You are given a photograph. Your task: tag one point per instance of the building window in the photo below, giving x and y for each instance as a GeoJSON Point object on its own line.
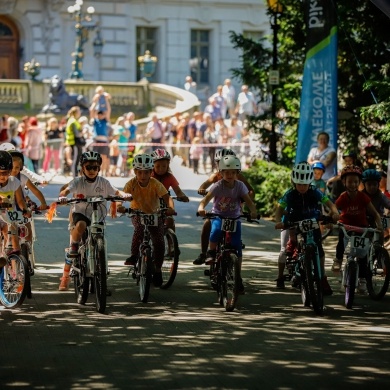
{"type": "Point", "coordinates": [254, 35]}
{"type": "Point", "coordinates": [146, 40]}
{"type": "Point", "coordinates": [200, 56]}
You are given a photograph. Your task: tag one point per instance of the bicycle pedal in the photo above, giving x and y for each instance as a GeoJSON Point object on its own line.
{"type": "Point", "coordinates": [206, 272]}
{"type": "Point", "coordinates": [134, 275]}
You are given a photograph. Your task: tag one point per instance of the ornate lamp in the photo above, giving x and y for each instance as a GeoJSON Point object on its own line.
{"type": "Point", "coordinates": [147, 64]}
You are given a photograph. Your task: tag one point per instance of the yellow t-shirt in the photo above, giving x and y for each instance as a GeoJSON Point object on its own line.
{"type": "Point", "coordinates": [146, 199]}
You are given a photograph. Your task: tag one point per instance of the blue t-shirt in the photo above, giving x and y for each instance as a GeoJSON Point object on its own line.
{"type": "Point", "coordinates": [302, 206]}
{"type": "Point", "coordinates": [100, 127]}
{"type": "Point", "coordinates": [133, 129]}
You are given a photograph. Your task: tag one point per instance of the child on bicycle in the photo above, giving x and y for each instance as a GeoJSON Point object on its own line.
{"type": "Point", "coordinates": [354, 206]}
{"type": "Point", "coordinates": [146, 192]}
{"type": "Point", "coordinates": [215, 177]}
{"type": "Point", "coordinates": [10, 196]}
{"type": "Point", "coordinates": [162, 172]}
{"type": "Point", "coordinates": [228, 194]}
{"type": "Point", "coordinates": [88, 184]}
{"type": "Point", "coordinates": [302, 201]}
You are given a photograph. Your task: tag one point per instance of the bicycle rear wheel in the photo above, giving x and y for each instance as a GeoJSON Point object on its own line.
{"type": "Point", "coordinates": [171, 258]}
{"type": "Point", "coordinates": [378, 273]}
{"type": "Point", "coordinates": [81, 281]}
{"type": "Point", "coordinates": [145, 275]}
{"type": "Point", "coordinates": [350, 279]}
{"type": "Point", "coordinates": [14, 280]}
{"type": "Point", "coordinates": [314, 283]}
{"type": "Point", "coordinates": [25, 253]}
{"type": "Point", "coordinates": [230, 281]}
{"type": "Point", "coordinates": [100, 275]}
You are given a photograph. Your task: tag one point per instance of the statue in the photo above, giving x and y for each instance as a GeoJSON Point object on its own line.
{"type": "Point", "coordinates": [60, 101]}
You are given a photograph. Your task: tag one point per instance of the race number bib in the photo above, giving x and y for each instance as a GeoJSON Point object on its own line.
{"type": "Point", "coordinates": [308, 225]}
{"type": "Point", "coordinates": [386, 222]}
{"type": "Point", "coordinates": [358, 242]}
{"type": "Point", "coordinates": [17, 217]}
{"type": "Point", "coordinates": [229, 225]}
{"type": "Point", "coordinates": [149, 219]}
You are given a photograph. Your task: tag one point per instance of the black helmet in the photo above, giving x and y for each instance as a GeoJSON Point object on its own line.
{"type": "Point", "coordinates": [16, 153]}
{"type": "Point", "coordinates": [5, 161]}
{"type": "Point", "coordinates": [371, 175]}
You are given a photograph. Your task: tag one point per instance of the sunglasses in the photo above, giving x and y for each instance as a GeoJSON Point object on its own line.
{"type": "Point", "coordinates": [92, 167]}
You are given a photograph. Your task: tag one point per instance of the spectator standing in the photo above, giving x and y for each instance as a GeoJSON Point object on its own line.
{"type": "Point", "coordinates": [73, 140]}
{"type": "Point", "coordinates": [154, 130]}
{"type": "Point", "coordinates": [190, 85]}
{"type": "Point", "coordinates": [246, 104]}
{"type": "Point", "coordinates": [229, 93]}
{"type": "Point", "coordinates": [34, 140]}
{"type": "Point", "coordinates": [213, 109]}
{"type": "Point", "coordinates": [131, 126]}
{"type": "Point", "coordinates": [5, 136]}
{"type": "Point", "coordinates": [221, 101]}
{"type": "Point", "coordinates": [22, 129]}
{"type": "Point", "coordinates": [53, 138]}
{"type": "Point", "coordinates": [100, 102]}
{"type": "Point", "coordinates": [101, 141]}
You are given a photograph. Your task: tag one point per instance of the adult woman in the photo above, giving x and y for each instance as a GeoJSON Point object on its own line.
{"type": "Point", "coordinates": [53, 141]}
{"type": "Point", "coordinates": [325, 154]}
{"type": "Point", "coordinates": [33, 142]}
{"type": "Point", "coordinates": [73, 134]}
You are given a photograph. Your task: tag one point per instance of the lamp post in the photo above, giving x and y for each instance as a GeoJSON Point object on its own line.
{"type": "Point", "coordinates": [84, 24]}
{"type": "Point", "coordinates": [147, 64]}
{"type": "Point", "coordinates": [275, 8]}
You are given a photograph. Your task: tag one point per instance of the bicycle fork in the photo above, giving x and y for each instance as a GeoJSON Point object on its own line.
{"type": "Point", "coordinates": [345, 279]}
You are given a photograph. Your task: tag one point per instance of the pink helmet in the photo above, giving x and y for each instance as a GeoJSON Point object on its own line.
{"type": "Point", "coordinates": [351, 170]}
{"type": "Point", "coordinates": [160, 154]}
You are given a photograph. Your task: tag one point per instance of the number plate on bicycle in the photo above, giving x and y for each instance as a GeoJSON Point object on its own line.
{"type": "Point", "coordinates": [15, 216]}
{"type": "Point", "coordinates": [358, 242]}
{"type": "Point", "coordinates": [229, 225]}
{"type": "Point", "coordinates": [308, 225]}
{"type": "Point", "coordinates": [386, 222]}
{"type": "Point", "coordinates": [149, 219]}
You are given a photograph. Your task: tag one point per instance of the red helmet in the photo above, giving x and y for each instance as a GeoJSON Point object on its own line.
{"type": "Point", "coordinates": [351, 170]}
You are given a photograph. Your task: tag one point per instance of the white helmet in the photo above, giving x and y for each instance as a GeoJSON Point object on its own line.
{"type": "Point", "coordinates": [222, 153]}
{"type": "Point", "coordinates": [143, 162]}
{"type": "Point", "coordinates": [302, 173]}
{"type": "Point", "coordinates": [7, 146]}
{"type": "Point", "coordinates": [229, 162]}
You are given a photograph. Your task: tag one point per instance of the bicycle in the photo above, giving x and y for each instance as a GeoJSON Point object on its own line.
{"type": "Point", "coordinates": [14, 276]}
{"type": "Point", "coordinates": [143, 269]}
{"type": "Point", "coordinates": [90, 267]}
{"type": "Point", "coordinates": [306, 267]}
{"type": "Point", "coordinates": [358, 246]}
{"type": "Point", "coordinates": [224, 273]}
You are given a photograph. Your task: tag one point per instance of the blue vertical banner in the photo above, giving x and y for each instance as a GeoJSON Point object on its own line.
{"type": "Point", "coordinates": [318, 107]}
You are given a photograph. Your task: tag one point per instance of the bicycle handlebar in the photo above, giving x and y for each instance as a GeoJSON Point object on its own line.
{"type": "Point", "coordinates": [133, 212]}
{"type": "Point", "coordinates": [323, 219]}
{"type": "Point", "coordinates": [357, 229]}
{"type": "Point", "coordinates": [92, 199]}
{"type": "Point", "coordinates": [211, 215]}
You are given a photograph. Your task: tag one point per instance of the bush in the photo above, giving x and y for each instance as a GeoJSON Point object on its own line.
{"type": "Point", "coordinates": [270, 181]}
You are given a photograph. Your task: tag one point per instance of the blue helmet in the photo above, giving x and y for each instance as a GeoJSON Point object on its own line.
{"type": "Point", "coordinates": [371, 175]}
{"type": "Point", "coordinates": [318, 165]}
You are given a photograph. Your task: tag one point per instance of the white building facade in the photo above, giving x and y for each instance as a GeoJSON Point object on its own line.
{"type": "Point", "coordinates": [188, 37]}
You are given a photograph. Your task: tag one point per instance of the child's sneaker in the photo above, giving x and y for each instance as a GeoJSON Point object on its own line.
{"type": "Point", "coordinates": [132, 260]}
{"type": "Point", "coordinates": [336, 267]}
{"type": "Point", "coordinates": [327, 290]}
{"type": "Point", "coordinates": [362, 286]}
{"type": "Point", "coordinates": [64, 285]}
{"type": "Point", "coordinates": [210, 256]}
{"type": "Point", "coordinates": [280, 283]}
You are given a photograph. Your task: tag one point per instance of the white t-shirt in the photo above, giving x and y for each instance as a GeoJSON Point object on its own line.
{"type": "Point", "coordinates": [7, 193]}
{"type": "Point", "coordinates": [100, 187]}
{"type": "Point", "coordinates": [321, 155]}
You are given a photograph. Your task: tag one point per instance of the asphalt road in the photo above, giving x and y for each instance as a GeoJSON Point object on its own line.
{"type": "Point", "coordinates": [182, 338]}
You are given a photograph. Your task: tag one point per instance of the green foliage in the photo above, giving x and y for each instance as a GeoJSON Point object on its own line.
{"type": "Point", "coordinates": [270, 181]}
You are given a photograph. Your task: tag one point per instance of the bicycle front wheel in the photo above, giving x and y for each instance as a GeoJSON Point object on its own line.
{"type": "Point", "coordinates": [100, 275]}
{"type": "Point", "coordinates": [230, 282]}
{"type": "Point", "coordinates": [314, 282]}
{"type": "Point", "coordinates": [14, 281]}
{"type": "Point", "coordinates": [145, 275]}
{"type": "Point", "coordinates": [171, 258]}
{"type": "Point", "coordinates": [378, 273]}
{"type": "Point", "coordinates": [350, 283]}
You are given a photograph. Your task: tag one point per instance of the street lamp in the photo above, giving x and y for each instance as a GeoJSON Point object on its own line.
{"type": "Point", "coordinates": [147, 64]}
{"type": "Point", "coordinates": [84, 24]}
{"type": "Point", "coordinates": [276, 9]}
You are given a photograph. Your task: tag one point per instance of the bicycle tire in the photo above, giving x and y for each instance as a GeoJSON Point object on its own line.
{"type": "Point", "coordinates": [100, 275]}
{"type": "Point", "coordinates": [25, 253]}
{"type": "Point", "coordinates": [13, 285]}
{"type": "Point", "coordinates": [230, 282]}
{"type": "Point", "coordinates": [350, 278]}
{"type": "Point", "coordinates": [145, 275]}
{"type": "Point", "coordinates": [378, 275]}
{"type": "Point", "coordinates": [81, 282]}
{"type": "Point", "coordinates": [314, 282]}
{"type": "Point", "coordinates": [171, 259]}
{"type": "Point", "coordinates": [213, 273]}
